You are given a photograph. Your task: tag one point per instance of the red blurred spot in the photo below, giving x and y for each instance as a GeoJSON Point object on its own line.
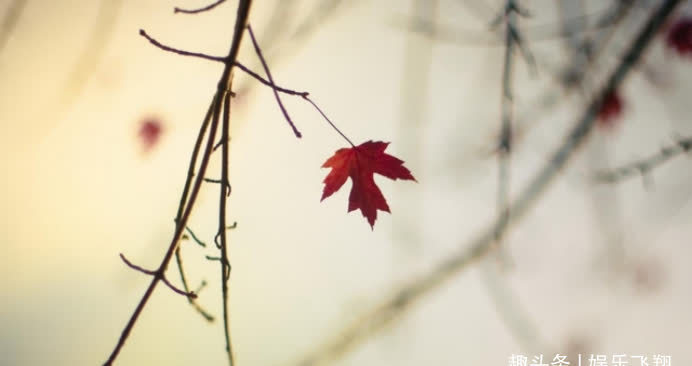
{"type": "Point", "coordinates": [648, 275]}
{"type": "Point", "coordinates": [679, 36]}
{"type": "Point", "coordinates": [150, 130]}
{"type": "Point", "coordinates": [611, 109]}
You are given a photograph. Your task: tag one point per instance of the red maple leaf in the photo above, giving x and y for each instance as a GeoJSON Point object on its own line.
{"type": "Point", "coordinates": [361, 163]}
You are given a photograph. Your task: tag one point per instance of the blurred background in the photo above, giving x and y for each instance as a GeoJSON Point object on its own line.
{"type": "Point", "coordinates": [97, 128]}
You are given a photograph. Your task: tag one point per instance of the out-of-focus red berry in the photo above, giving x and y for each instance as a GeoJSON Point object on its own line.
{"type": "Point", "coordinates": [150, 130]}
{"type": "Point", "coordinates": [679, 36]}
{"type": "Point", "coordinates": [611, 109]}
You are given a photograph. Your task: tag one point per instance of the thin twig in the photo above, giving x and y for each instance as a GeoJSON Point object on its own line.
{"type": "Point", "coordinates": [506, 117]}
{"type": "Point", "coordinates": [181, 270]}
{"type": "Point", "coordinates": [183, 199]}
{"type": "Point", "coordinates": [200, 10]}
{"type": "Point", "coordinates": [158, 274]}
{"type": "Point", "coordinates": [162, 46]}
{"type": "Point", "coordinates": [645, 166]}
{"type": "Point", "coordinates": [394, 306]}
{"type": "Point", "coordinates": [220, 181]}
{"type": "Point", "coordinates": [204, 56]}
{"type": "Point", "coordinates": [224, 192]}
{"type": "Point", "coordinates": [270, 83]}
{"type": "Point", "coordinates": [271, 80]}
{"type": "Point", "coordinates": [194, 237]}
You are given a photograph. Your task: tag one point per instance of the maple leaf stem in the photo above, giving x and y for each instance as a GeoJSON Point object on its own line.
{"type": "Point", "coordinates": [329, 121]}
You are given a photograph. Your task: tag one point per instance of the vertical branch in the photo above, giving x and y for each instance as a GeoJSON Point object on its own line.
{"type": "Point", "coordinates": [223, 86]}
{"type": "Point", "coordinates": [505, 147]}
{"type": "Point", "coordinates": [507, 305]}
{"type": "Point", "coordinates": [181, 206]}
{"type": "Point", "coordinates": [225, 191]}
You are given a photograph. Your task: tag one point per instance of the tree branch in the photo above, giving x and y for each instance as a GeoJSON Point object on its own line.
{"type": "Point", "coordinates": [223, 85]}
{"type": "Point", "coordinates": [200, 10]}
{"type": "Point", "coordinates": [646, 165]}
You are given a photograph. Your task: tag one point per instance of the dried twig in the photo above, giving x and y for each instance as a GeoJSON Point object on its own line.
{"type": "Point", "coordinates": [645, 166]}
{"type": "Point", "coordinates": [189, 294]}
{"type": "Point", "coordinates": [188, 203]}
{"type": "Point", "coordinates": [271, 80]}
{"type": "Point", "coordinates": [223, 60]}
{"type": "Point", "coordinates": [199, 10]}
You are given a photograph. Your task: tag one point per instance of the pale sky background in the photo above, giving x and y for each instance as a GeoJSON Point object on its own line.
{"type": "Point", "coordinates": [77, 191]}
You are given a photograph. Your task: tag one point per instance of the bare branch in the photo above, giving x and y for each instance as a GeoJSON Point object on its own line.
{"type": "Point", "coordinates": [223, 85]}
{"type": "Point", "coordinates": [269, 76]}
{"type": "Point", "coordinates": [159, 275]}
{"type": "Point", "coordinates": [645, 166]}
{"type": "Point", "coordinates": [200, 10]}
{"type": "Point", "coordinates": [178, 51]}
{"type": "Point", "coordinates": [203, 312]}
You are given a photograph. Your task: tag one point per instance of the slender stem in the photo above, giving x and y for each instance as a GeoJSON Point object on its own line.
{"type": "Point", "coordinates": [646, 165]}
{"type": "Point", "coordinates": [270, 83]}
{"type": "Point", "coordinates": [164, 47]}
{"type": "Point", "coordinates": [393, 307]}
{"type": "Point", "coordinates": [204, 56]}
{"type": "Point", "coordinates": [225, 266]}
{"type": "Point", "coordinates": [193, 161]}
{"type": "Point", "coordinates": [271, 80]}
{"type": "Point", "coordinates": [183, 198]}
{"type": "Point", "coordinates": [506, 119]}
{"type": "Point", "coordinates": [194, 237]}
{"type": "Point", "coordinates": [188, 294]}
{"type": "Point", "coordinates": [183, 279]}
{"type": "Point", "coordinates": [200, 10]}
{"type": "Point", "coordinates": [329, 121]}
